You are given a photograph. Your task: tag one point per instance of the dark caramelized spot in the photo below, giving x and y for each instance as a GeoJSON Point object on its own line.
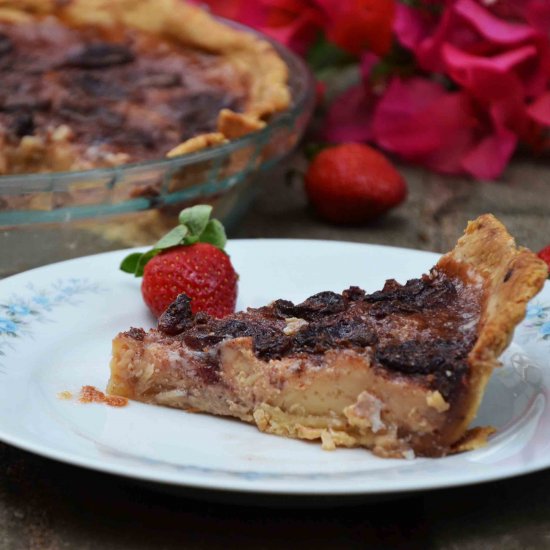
{"type": "Point", "coordinates": [177, 317]}
{"type": "Point", "coordinates": [508, 275]}
{"type": "Point", "coordinates": [23, 124]}
{"type": "Point", "coordinates": [415, 296]}
{"type": "Point", "coordinates": [315, 307]}
{"type": "Point", "coordinates": [212, 332]}
{"type": "Point", "coordinates": [95, 85]}
{"type": "Point", "coordinates": [443, 360]}
{"type": "Point", "coordinates": [197, 112]}
{"type": "Point", "coordinates": [268, 342]}
{"type": "Point", "coordinates": [99, 55]}
{"type": "Point", "coordinates": [417, 357]}
{"type": "Point", "coordinates": [354, 294]}
{"type": "Point", "coordinates": [336, 333]}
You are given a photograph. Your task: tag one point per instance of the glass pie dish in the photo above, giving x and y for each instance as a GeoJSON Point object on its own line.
{"type": "Point", "coordinates": [49, 217]}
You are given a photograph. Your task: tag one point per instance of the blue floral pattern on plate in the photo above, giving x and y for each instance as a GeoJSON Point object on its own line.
{"type": "Point", "coordinates": [537, 322]}
{"type": "Point", "coordinates": [19, 312]}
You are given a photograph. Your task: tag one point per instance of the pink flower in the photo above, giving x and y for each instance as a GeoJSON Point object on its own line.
{"type": "Point", "coordinates": [422, 122]}
{"type": "Point", "coordinates": [446, 131]}
{"type": "Point", "coordinates": [502, 69]}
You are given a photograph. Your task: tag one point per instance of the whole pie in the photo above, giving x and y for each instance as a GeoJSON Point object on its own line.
{"type": "Point", "coordinates": [400, 371]}
{"type": "Point", "coordinates": [92, 83]}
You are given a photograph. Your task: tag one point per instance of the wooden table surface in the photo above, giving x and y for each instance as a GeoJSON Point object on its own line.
{"type": "Point", "coordinates": [48, 505]}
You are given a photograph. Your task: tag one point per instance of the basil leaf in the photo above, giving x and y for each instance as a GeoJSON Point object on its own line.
{"type": "Point", "coordinates": [214, 233]}
{"type": "Point", "coordinates": [143, 260]}
{"type": "Point", "coordinates": [195, 218]}
{"type": "Point", "coordinates": [130, 263]}
{"type": "Point", "coordinates": [174, 237]}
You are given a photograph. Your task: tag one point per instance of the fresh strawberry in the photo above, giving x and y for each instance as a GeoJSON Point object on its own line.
{"type": "Point", "coordinates": [188, 260]}
{"type": "Point", "coordinates": [544, 254]}
{"type": "Point", "coordinates": [353, 183]}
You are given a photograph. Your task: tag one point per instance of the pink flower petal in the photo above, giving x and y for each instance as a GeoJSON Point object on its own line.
{"type": "Point", "coordinates": [445, 131]}
{"type": "Point", "coordinates": [491, 27]}
{"type": "Point", "coordinates": [412, 25]}
{"type": "Point", "coordinates": [421, 121]}
{"type": "Point", "coordinates": [503, 62]}
{"type": "Point", "coordinates": [428, 51]}
{"type": "Point", "coordinates": [539, 110]}
{"type": "Point", "coordinates": [407, 96]}
{"type": "Point", "coordinates": [367, 63]}
{"type": "Point", "coordinates": [489, 158]}
{"type": "Point", "coordinates": [538, 15]}
{"type": "Point", "coordinates": [349, 117]}
{"type": "Point", "coordinates": [488, 78]}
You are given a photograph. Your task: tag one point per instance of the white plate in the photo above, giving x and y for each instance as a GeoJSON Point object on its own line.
{"type": "Point", "coordinates": [56, 326]}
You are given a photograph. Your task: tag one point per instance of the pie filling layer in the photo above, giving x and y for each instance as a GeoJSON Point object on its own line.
{"type": "Point", "coordinates": [423, 329]}
{"type": "Point", "coordinates": [117, 95]}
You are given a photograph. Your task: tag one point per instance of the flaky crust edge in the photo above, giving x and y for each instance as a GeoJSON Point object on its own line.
{"type": "Point", "coordinates": [255, 58]}
{"type": "Point", "coordinates": [510, 276]}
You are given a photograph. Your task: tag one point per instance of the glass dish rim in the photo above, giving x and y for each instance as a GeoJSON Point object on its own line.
{"type": "Point", "coordinates": [298, 105]}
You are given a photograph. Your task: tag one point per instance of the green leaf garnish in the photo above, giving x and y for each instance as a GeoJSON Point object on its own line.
{"type": "Point", "coordinates": [143, 260]}
{"type": "Point", "coordinates": [195, 218]}
{"type": "Point", "coordinates": [191, 239]}
{"type": "Point", "coordinates": [174, 237]}
{"type": "Point", "coordinates": [214, 233]}
{"type": "Point", "coordinates": [194, 226]}
{"type": "Point", "coordinates": [130, 263]}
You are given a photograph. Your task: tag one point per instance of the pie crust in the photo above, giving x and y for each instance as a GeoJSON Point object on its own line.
{"type": "Point", "coordinates": [244, 72]}
{"type": "Point", "coordinates": [401, 371]}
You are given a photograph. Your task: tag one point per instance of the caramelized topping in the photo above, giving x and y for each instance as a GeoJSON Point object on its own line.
{"type": "Point", "coordinates": [334, 333]}
{"type": "Point", "coordinates": [315, 307]}
{"type": "Point", "coordinates": [415, 296]}
{"type": "Point", "coordinates": [98, 55]}
{"type": "Point", "coordinates": [177, 317]}
{"type": "Point", "coordinates": [424, 328]}
{"type": "Point", "coordinates": [119, 91]}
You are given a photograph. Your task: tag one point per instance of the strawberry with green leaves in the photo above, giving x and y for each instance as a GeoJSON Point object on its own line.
{"type": "Point", "coordinates": [190, 260]}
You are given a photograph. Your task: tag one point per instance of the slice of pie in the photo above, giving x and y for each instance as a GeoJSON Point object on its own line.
{"type": "Point", "coordinates": [401, 371]}
{"type": "Point", "coordinates": [94, 83]}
